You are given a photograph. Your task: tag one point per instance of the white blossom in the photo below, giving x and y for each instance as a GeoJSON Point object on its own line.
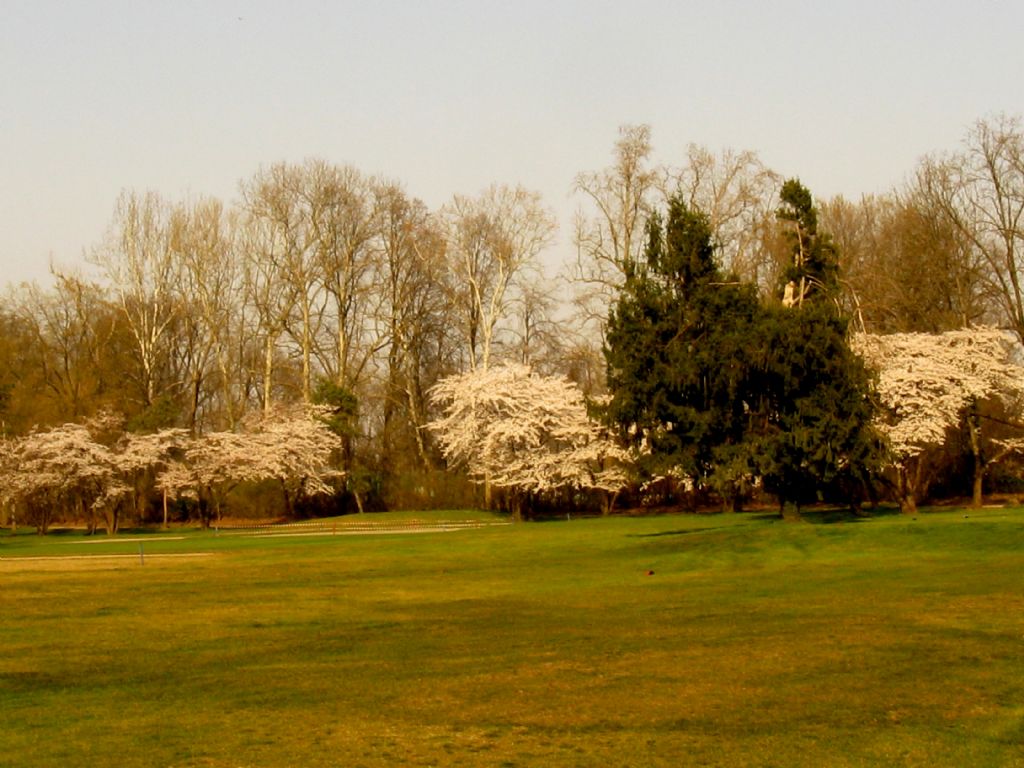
{"type": "Point", "coordinates": [65, 466]}
{"type": "Point", "coordinates": [515, 429]}
{"type": "Point", "coordinates": [47, 470]}
{"type": "Point", "coordinates": [925, 381]}
{"type": "Point", "coordinates": [293, 447]}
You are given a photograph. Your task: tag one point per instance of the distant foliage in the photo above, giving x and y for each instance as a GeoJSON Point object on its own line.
{"type": "Point", "coordinates": [705, 316]}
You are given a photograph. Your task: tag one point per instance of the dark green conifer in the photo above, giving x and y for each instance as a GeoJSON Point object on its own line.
{"type": "Point", "coordinates": [813, 269]}
{"type": "Point", "coordinates": [721, 389]}
{"type": "Point", "coordinates": [676, 354]}
{"type": "Point", "coordinates": [812, 435]}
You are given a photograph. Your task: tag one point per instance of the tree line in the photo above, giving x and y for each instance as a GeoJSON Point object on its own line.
{"type": "Point", "coordinates": [323, 284]}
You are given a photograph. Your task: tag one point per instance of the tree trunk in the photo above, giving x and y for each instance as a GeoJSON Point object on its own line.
{"type": "Point", "coordinates": [516, 506]}
{"type": "Point", "coordinates": [204, 509]}
{"type": "Point", "coordinates": [732, 498]}
{"type": "Point", "coordinates": [307, 351]}
{"type": "Point", "coordinates": [268, 372]}
{"type": "Point", "coordinates": [289, 506]}
{"type": "Point", "coordinates": [608, 500]}
{"type": "Point", "coordinates": [973, 429]}
{"type": "Point", "coordinates": [415, 398]}
{"type": "Point", "coordinates": [139, 499]}
{"type": "Point", "coordinates": [908, 498]}
{"type": "Point", "coordinates": [908, 504]}
{"type": "Point", "coordinates": [165, 509]}
{"type": "Point", "coordinates": [43, 520]}
{"type": "Point", "coordinates": [790, 511]}
{"type": "Point", "coordinates": [193, 407]}
{"type": "Point", "coordinates": [229, 397]}
{"type": "Point", "coordinates": [110, 518]}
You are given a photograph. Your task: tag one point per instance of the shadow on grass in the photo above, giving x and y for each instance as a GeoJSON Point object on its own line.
{"type": "Point", "coordinates": [680, 532]}
{"type": "Point", "coordinates": [813, 516]}
{"type": "Point", "coordinates": [833, 515]}
{"type": "Point", "coordinates": [60, 533]}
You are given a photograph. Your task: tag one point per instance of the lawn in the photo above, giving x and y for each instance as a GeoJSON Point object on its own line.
{"type": "Point", "coordinates": [670, 640]}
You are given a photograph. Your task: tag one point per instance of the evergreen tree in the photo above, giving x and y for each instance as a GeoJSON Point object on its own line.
{"type": "Point", "coordinates": [810, 431]}
{"type": "Point", "coordinates": [677, 349]}
{"type": "Point", "coordinates": [814, 265]}
{"type": "Point", "coordinates": [719, 390]}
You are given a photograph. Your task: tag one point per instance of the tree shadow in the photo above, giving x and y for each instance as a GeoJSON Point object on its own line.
{"type": "Point", "coordinates": [813, 515]}
{"type": "Point", "coordinates": [833, 515]}
{"type": "Point", "coordinates": [680, 532]}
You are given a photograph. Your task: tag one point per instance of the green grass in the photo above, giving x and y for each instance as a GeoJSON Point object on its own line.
{"type": "Point", "coordinates": [882, 642]}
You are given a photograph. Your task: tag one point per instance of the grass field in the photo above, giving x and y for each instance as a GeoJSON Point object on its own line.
{"type": "Point", "coordinates": [885, 642]}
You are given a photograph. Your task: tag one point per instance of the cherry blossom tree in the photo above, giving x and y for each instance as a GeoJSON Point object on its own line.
{"type": "Point", "coordinates": [143, 455]}
{"type": "Point", "coordinates": [928, 385]}
{"type": "Point", "coordinates": [69, 469]}
{"type": "Point", "coordinates": [59, 470]}
{"type": "Point", "coordinates": [530, 435]}
{"type": "Point", "coordinates": [293, 447]}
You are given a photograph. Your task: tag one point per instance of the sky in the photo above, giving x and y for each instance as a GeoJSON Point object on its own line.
{"type": "Point", "coordinates": [191, 97]}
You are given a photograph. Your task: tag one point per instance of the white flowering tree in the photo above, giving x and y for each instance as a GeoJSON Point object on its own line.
{"type": "Point", "coordinates": [60, 469]}
{"type": "Point", "coordinates": [142, 456]}
{"type": "Point", "coordinates": [68, 470]}
{"type": "Point", "coordinates": [930, 384]}
{"type": "Point", "coordinates": [7, 447]}
{"type": "Point", "coordinates": [293, 447]}
{"type": "Point", "coordinates": [527, 434]}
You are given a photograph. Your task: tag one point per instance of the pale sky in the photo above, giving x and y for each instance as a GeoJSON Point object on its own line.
{"type": "Point", "coordinates": [189, 97]}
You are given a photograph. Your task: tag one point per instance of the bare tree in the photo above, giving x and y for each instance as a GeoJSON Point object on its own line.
{"type": "Point", "coordinates": [343, 227]}
{"type": "Point", "coordinates": [71, 331]}
{"type": "Point", "coordinates": [980, 190]}
{"type": "Point", "coordinates": [904, 267]}
{"type": "Point", "coordinates": [213, 304]}
{"type": "Point", "coordinates": [609, 232]}
{"type": "Point", "coordinates": [538, 337]}
{"type": "Point", "coordinates": [491, 240]}
{"type": "Point", "coordinates": [279, 269]}
{"type": "Point", "coordinates": [137, 259]}
{"type": "Point", "coordinates": [738, 194]}
{"type": "Point", "coordinates": [413, 316]}
{"type": "Point", "coordinates": [312, 241]}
